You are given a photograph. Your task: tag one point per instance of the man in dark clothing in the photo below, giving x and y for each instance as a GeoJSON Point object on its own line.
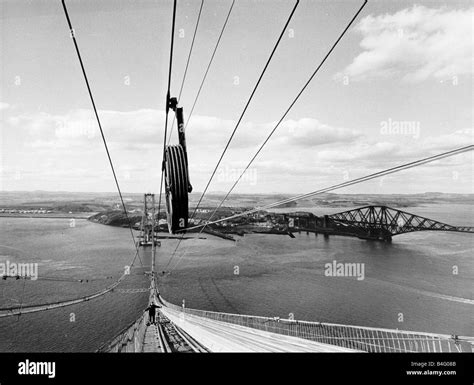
{"type": "Point", "coordinates": [151, 313]}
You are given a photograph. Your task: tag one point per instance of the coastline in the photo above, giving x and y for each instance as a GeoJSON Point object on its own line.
{"type": "Point", "coordinates": [46, 216]}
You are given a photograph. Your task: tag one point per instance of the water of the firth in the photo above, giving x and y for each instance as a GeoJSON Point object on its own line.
{"type": "Point", "coordinates": [410, 284]}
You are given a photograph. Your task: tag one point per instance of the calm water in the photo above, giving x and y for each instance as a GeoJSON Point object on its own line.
{"type": "Point", "coordinates": [410, 278]}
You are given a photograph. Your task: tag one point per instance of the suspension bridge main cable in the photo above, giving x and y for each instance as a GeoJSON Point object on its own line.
{"type": "Point", "coordinates": [288, 109]}
{"type": "Point", "coordinates": [71, 29]}
{"type": "Point", "coordinates": [187, 65]}
{"type": "Point", "coordinates": [378, 174]}
{"type": "Point", "coordinates": [240, 118]}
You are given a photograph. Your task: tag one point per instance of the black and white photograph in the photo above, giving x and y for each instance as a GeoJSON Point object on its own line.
{"type": "Point", "coordinates": [236, 177]}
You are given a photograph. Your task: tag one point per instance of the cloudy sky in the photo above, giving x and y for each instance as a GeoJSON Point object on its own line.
{"type": "Point", "coordinates": [397, 88]}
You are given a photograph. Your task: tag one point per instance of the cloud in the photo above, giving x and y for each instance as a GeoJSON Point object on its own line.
{"type": "Point", "coordinates": [4, 106]}
{"type": "Point", "coordinates": [310, 132]}
{"type": "Point", "coordinates": [142, 129]}
{"type": "Point", "coordinates": [416, 44]}
{"type": "Point", "coordinates": [459, 138]}
{"type": "Point", "coordinates": [302, 155]}
{"type": "Point", "coordinates": [80, 127]}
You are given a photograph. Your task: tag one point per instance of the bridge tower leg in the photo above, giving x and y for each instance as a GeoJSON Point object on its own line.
{"type": "Point", "coordinates": [325, 225]}
{"type": "Point", "coordinates": [148, 225]}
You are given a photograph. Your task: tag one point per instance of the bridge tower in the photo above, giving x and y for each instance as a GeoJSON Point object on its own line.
{"type": "Point", "coordinates": [148, 235]}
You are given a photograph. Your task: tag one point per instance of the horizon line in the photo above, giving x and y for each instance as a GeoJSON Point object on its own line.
{"type": "Point", "coordinates": [223, 192]}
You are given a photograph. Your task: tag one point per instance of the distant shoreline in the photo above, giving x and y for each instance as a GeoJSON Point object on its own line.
{"type": "Point", "coordinates": [46, 216]}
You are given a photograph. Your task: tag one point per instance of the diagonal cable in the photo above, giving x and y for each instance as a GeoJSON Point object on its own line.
{"type": "Point", "coordinates": [247, 104]}
{"type": "Point", "coordinates": [197, 97]}
{"type": "Point", "coordinates": [365, 178]}
{"type": "Point", "coordinates": [288, 110]}
{"type": "Point", "coordinates": [53, 305]}
{"type": "Point", "coordinates": [167, 107]}
{"type": "Point", "coordinates": [210, 62]}
{"type": "Point", "coordinates": [71, 29]}
{"type": "Point", "coordinates": [187, 65]}
{"type": "Point", "coordinates": [240, 118]}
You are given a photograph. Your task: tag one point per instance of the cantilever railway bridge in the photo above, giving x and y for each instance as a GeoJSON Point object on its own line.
{"type": "Point", "coordinates": [372, 222]}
